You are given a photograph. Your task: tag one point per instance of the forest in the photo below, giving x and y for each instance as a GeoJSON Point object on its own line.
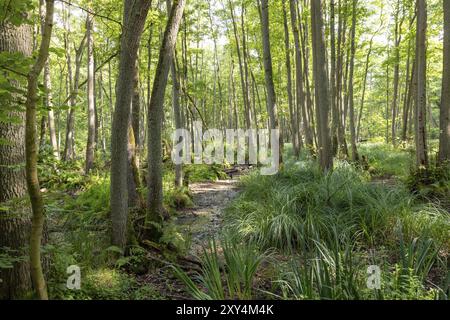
{"type": "Point", "coordinates": [224, 150]}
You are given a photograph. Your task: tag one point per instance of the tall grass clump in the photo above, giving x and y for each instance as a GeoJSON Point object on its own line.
{"type": "Point", "coordinates": [286, 211]}
{"type": "Point", "coordinates": [339, 271]}
{"type": "Point", "coordinates": [335, 222]}
{"type": "Point", "coordinates": [228, 272]}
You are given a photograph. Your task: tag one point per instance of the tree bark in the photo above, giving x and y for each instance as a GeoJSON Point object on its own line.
{"type": "Point", "coordinates": [397, 40]}
{"type": "Point", "coordinates": [292, 113]}
{"type": "Point", "coordinates": [355, 156]}
{"type": "Point", "coordinates": [363, 95]}
{"type": "Point", "coordinates": [136, 108]}
{"type": "Point", "coordinates": [90, 147]}
{"type": "Point", "coordinates": [14, 227]}
{"type": "Point", "coordinates": [155, 118]}
{"type": "Point", "coordinates": [321, 86]}
{"type": "Point", "coordinates": [135, 14]}
{"type": "Point", "coordinates": [444, 143]}
{"type": "Point", "coordinates": [421, 100]}
{"type": "Point", "coordinates": [69, 149]}
{"type": "Point", "coordinates": [268, 71]}
{"type": "Point", "coordinates": [244, 85]}
{"type": "Point", "coordinates": [176, 108]}
{"type": "Point", "coordinates": [333, 76]}
{"type": "Point", "coordinates": [342, 29]}
{"type": "Point", "coordinates": [48, 103]}
{"type": "Point", "coordinates": [31, 152]}
{"type": "Point", "coordinates": [410, 72]}
{"type": "Point", "coordinates": [300, 94]}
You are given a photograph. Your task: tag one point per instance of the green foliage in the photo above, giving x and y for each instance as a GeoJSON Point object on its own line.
{"type": "Point", "coordinates": [178, 198]}
{"type": "Point", "coordinates": [338, 272]}
{"type": "Point", "coordinates": [334, 221]}
{"type": "Point", "coordinates": [432, 184]}
{"type": "Point", "coordinates": [111, 284]}
{"type": "Point", "coordinates": [203, 173]}
{"type": "Point", "coordinates": [229, 277]}
{"type": "Point", "coordinates": [13, 11]}
{"type": "Point", "coordinates": [299, 204]}
{"type": "Point", "coordinates": [385, 161]}
{"type": "Point", "coordinates": [9, 257]}
{"type": "Point", "coordinates": [174, 238]}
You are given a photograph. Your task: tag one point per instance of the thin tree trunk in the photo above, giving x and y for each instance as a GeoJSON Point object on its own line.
{"type": "Point", "coordinates": [342, 29]}
{"type": "Point", "coordinates": [246, 68]}
{"type": "Point", "coordinates": [363, 95]}
{"type": "Point", "coordinates": [176, 108]}
{"type": "Point", "coordinates": [333, 76]}
{"type": "Point", "coordinates": [241, 68]}
{"type": "Point", "coordinates": [397, 39]}
{"type": "Point", "coordinates": [268, 71]}
{"type": "Point", "coordinates": [136, 109]}
{"type": "Point", "coordinates": [48, 103]}
{"type": "Point", "coordinates": [408, 93]}
{"type": "Point", "coordinates": [355, 156]}
{"type": "Point", "coordinates": [51, 115]}
{"type": "Point", "coordinates": [292, 113]}
{"type": "Point", "coordinates": [301, 100]}
{"type": "Point", "coordinates": [90, 147]}
{"type": "Point", "coordinates": [421, 100]}
{"type": "Point", "coordinates": [31, 151]}
{"type": "Point", "coordinates": [321, 86]}
{"type": "Point", "coordinates": [444, 149]}
{"type": "Point", "coordinates": [69, 150]}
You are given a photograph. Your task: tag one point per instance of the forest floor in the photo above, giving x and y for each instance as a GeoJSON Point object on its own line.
{"type": "Point", "coordinates": [263, 222]}
{"type": "Point", "coordinates": [203, 221]}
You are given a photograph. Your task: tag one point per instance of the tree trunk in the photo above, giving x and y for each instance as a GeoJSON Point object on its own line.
{"type": "Point", "coordinates": [364, 88]}
{"type": "Point", "coordinates": [300, 94]}
{"type": "Point", "coordinates": [69, 150]}
{"type": "Point", "coordinates": [155, 118]}
{"type": "Point", "coordinates": [176, 107]}
{"type": "Point", "coordinates": [90, 147]}
{"type": "Point", "coordinates": [421, 100]}
{"type": "Point", "coordinates": [244, 85]}
{"type": "Point", "coordinates": [408, 92]}
{"type": "Point", "coordinates": [333, 75]}
{"type": "Point", "coordinates": [342, 29]}
{"type": "Point", "coordinates": [321, 86]}
{"type": "Point", "coordinates": [292, 113]}
{"type": "Point", "coordinates": [246, 68]}
{"type": "Point", "coordinates": [444, 149]}
{"type": "Point", "coordinates": [136, 109]}
{"type": "Point", "coordinates": [51, 115]}
{"type": "Point", "coordinates": [14, 227]}
{"type": "Point", "coordinates": [397, 39]}
{"type": "Point", "coordinates": [355, 156]}
{"type": "Point", "coordinates": [133, 25]}
{"type": "Point", "coordinates": [48, 103]}
{"type": "Point", "coordinates": [268, 71]}
{"type": "Point", "coordinates": [31, 152]}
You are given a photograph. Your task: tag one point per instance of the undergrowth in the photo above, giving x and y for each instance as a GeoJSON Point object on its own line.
{"type": "Point", "coordinates": [326, 230]}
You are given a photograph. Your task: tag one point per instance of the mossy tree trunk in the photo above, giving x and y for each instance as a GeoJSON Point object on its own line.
{"type": "Point", "coordinates": [155, 119]}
